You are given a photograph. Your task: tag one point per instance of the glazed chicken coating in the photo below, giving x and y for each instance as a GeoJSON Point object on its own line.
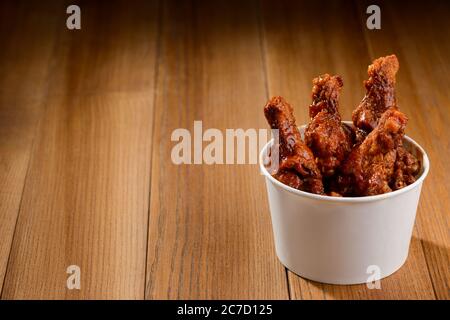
{"type": "Point", "coordinates": [405, 169]}
{"type": "Point", "coordinates": [371, 165]}
{"type": "Point", "coordinates": [380, 95]}
{"type": "Point", "coordinates": [328, 138]}
{"type": "Point", "coordinates": [297, 167]}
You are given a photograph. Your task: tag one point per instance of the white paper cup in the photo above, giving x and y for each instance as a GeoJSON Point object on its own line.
{"type": "Point", "coordinates": [344, 240]}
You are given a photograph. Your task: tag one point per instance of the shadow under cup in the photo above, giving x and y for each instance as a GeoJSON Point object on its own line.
{"type": "Point", "coordinates": [344, 240]}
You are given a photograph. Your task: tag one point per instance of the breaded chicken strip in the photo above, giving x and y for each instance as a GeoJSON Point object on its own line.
{"type": "Point", "coordinates": [380, 96]}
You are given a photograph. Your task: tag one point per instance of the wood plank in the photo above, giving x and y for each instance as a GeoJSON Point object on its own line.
{"type": "Point", "coordinates": [114, 36]}
{"type": "Point", "coordinates": [299, 46]}
{"type": "Point", "coordinates": [26, 50]}
{"type": "Point", "coordinates": [420, 39]}
{"type": "Point", "coordinates": [210, 235]}
{"type": "Point", "coordinates": [86, 196]}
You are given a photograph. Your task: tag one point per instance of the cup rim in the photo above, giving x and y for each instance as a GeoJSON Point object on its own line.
{"type": "Point", "coordinates": [425, 170]}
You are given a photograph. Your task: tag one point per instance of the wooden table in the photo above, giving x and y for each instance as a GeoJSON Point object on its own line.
{"type": "Point", "coordinates": [85, 123]}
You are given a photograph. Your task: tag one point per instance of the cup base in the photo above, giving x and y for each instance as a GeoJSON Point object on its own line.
{"type": "Point", "coordinates": [341, 282]}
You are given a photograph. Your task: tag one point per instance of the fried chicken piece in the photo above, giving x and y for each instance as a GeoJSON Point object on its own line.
{"type": "Point", "coordinates": [371, 165]}
{"type": "Point", "coordinates": [328, 138]}
{"type": "Point", "coordinates": [379, 97]}
{"type": "Point", "coordinates": [405, 169]}
{"type": "Point", "coordinates": [297, 167]}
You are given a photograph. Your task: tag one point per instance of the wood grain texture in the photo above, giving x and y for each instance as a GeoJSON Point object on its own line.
{"type": "Point", "coordinates": [299, 47]}
{"type": "Point", "coordinates": [210, 234]}
{"type": "Point", "coordinates": [86, 197]}
{"type": "Point", "coordinates": [26, 50]}
{"type": "Point", "coordinates": [85, 124]}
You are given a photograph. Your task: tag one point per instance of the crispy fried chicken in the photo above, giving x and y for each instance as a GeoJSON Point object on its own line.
{"type": "Point", "coordinates": [297, 167]}
{"type": "Point", "coordinates": [370, 166]}
{"type": "Point", "coordinates": [329, 139]}
{"type": "Point", "coordinates": [380, 94]}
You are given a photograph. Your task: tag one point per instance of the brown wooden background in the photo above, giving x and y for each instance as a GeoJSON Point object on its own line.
{"type": "Point", "coordinates": [85, 124]}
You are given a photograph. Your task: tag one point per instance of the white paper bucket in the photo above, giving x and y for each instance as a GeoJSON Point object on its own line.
{"type": "Point", "coordinates": [344, 240]}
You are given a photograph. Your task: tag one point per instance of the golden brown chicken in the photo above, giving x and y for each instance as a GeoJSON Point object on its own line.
{"type": "Point", "coordinates": [406, 168]}
{"type": "Point", "coordinates": [329, 139]}
{"type": "Point", "coordinates": [297, 167]}
{"type": "Point", "coordinates": [380, 94]}
{"type": "Point", "coordinates": [368, 159]}
{"type": "Point", "coordinates": [370, 166]}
